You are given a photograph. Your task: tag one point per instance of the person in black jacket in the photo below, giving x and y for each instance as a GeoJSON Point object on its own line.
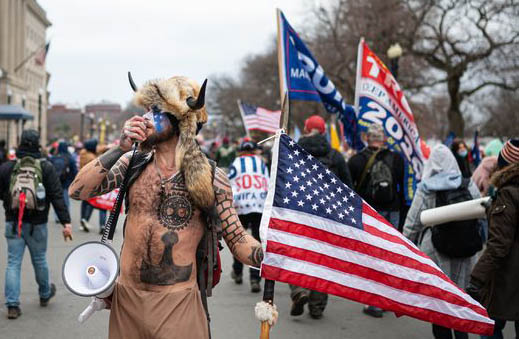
{"type": "Point", "coordinates": [66, 168]}
{"type": "Point", "coordinates": [315, 143]}
{"type": "Point", "coordinates": [361, 175]}
{"type": "Point", "coordinates": [34, 226]}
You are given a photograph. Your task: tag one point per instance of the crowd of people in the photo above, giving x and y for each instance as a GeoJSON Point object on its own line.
{"type": "Point", "coordinates": [480, 256]}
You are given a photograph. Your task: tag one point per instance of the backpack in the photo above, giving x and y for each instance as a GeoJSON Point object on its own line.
{"type": "Point", "coordinates": [376, 181]}
{"type": "Point", "coordinates": [457, 239]}
{"type": "Point", "coordinates": [62, 166]}
{"type": "Point", "coordinates": [27, 178]}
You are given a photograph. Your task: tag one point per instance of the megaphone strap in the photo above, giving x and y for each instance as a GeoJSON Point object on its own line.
{"type": "Point", "coordinates": [111, 224]}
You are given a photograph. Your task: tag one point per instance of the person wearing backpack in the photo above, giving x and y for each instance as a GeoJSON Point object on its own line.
{"type": "Point", "coordinates": [65, 169]}
{"type": "Point", "coordinates": [314, 142]}
{"type": "Point", "coordinates": [178, 207]}
{"type": "Point", "coordinates": [495, 279]}
{"type": "Point", "coordinates": [452, 246]}
{"type": "Point", "coordinates": [378, 177]}
{"type": "Point", "coordinates": [28, 186]}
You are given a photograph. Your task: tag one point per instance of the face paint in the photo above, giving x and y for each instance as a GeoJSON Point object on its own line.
{"type": "Point", "coordinates": [159, 119]}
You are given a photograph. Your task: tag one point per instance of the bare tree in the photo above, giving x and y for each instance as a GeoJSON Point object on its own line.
{"type": "Point", "coordinates": [502, 117]}
{"type": "Point", "coordinates": [257, 84]}
{"type": "Point", "coordinates": [472, 45]}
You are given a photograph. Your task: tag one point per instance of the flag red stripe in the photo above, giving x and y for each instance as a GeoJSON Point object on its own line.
{"type": "Point", "coordinates": [256, 118]}
{"type": "Point", "coordinates": [322, 285]}
{"type": "Point", "coordinates": [384, 235]}
{"type": "Point", "coordinates": [354, 245]}
{"type": "Point", "coordinates": [371, 274]}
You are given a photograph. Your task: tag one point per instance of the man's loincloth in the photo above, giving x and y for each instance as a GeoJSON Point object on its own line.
{"type": "Point", "coordinates": [145, 314]}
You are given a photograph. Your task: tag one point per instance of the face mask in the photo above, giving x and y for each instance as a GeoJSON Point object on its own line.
{"type": "Point", "coordinates": [463, 153]}
{"type": "Point", "coordinates": [160, 120]}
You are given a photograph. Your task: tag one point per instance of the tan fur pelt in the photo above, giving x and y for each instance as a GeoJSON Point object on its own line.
{"type": "Point", "coordinates": [170, 96]}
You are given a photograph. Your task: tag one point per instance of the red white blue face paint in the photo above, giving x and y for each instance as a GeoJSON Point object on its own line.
{"type": "Point", "coordinates": [159, 119]}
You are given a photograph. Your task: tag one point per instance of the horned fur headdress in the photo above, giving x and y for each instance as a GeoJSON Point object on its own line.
{"type": "Point", "coordinates": [185, 100]}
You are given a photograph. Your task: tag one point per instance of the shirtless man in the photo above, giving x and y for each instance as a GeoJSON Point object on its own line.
{"type": "Point", "coordinates": [156, 294]}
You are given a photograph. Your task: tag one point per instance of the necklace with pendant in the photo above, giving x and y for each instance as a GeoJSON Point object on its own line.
{"type": "Point", "coordinates": [175, 209]}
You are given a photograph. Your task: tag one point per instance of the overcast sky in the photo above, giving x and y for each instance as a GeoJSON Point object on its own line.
{"type": "Point", "coordinates": [94, 43]}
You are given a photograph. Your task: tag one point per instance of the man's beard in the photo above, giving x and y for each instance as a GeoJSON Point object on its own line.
{"type": "Point", "coordinates": [165, 135]}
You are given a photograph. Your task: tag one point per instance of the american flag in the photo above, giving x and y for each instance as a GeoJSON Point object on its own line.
{"type": "Point", "coordinates": [321, 235]}
{"type": "Point", "coordinates": [258, 118]}
{"type": "Point", "coordinates": [41, 55]}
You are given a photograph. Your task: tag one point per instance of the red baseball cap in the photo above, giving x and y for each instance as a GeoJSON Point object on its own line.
{"type": "Point", "coordinates": [315, 122]}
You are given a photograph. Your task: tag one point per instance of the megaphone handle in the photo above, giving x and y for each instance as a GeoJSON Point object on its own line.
{"type": "Point", "coordinates": [95, 305]}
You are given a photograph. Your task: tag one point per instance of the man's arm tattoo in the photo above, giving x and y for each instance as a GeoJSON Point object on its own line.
{"type": "Point", "coordinates": [256, 256]}
{"type": "Point", "coordinates": [233, 232]}
{"type": "Point", "coordinates": [77, 193]}
{"type": "Point", "coordinates": [109, 158]}
{"type": "Point", "coordinates": [112, 180]}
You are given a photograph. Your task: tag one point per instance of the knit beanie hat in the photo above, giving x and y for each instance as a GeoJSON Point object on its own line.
{"type": "Point", "coordinates": [315, 122]}
{"type": "Point", "coordinates": [509, 153]}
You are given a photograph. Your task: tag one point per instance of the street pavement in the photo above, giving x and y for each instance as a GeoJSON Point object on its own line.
{"type": "Point", "coordinates": [231, 307]}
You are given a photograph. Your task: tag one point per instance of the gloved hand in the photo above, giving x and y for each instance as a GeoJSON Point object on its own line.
{"type": "Point", "coordinates": [474, 289]}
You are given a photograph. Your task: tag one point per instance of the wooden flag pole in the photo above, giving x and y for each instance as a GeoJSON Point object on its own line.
{"type": "Point", "coordinates": [268, 290]}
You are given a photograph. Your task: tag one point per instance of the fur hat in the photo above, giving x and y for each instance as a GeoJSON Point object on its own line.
{"type": "Point", "coordinates": [184, 99]}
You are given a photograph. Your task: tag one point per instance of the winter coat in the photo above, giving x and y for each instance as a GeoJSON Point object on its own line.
{"type": "Point", "coordinates": [320, 148]}
{"type": "Point", "coordinates": [457, 269]}
{"type": "Point", "coordinates": [53, 192]}
{"type": "Point", "coordinates": [357, 164]}
{"type": "Point", "coordinates": [481, 175]}
{"type": "Point", "coordinates": [498, 268]}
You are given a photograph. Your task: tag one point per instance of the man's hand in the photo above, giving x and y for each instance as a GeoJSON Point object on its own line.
{"type": "Point", "coordinates": [136, 129]}
{"type": "Point", "coordinates": [67, 232]}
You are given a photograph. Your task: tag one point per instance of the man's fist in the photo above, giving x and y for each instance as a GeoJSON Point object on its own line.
{"type": "Point", "coordinates": [67, 232]}
{"type": "Point", "coordinates": [136, 129]}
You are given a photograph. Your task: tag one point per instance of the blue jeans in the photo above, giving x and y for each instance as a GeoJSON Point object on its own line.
{"type": "Point", "coordinates": [87, 210]}
{"type": "Point", "coordinates": [498, 330]}
{"type": "Point", "coordinates": [392, 216]}
{"type": "Point", "coordinates": [37, 244]}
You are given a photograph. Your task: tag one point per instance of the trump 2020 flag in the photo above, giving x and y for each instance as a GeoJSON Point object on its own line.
{"type": "Point", "coordinates": [319, 234]}
{"type": "Point", "coordinates": [379, 100]}
{"type": "Point", "coordinates": [303, 78]}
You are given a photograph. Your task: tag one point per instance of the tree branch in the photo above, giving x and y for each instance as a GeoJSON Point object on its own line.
{"type": "Point", "coordinates": [502, 85]}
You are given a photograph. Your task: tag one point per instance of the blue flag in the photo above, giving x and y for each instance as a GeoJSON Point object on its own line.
{"type": "Point", "coordinates": [304, 79]}
{"type": "Point", "coordinates": [476, 155]}
{"type": "Point", "coordinates": [450, 138]}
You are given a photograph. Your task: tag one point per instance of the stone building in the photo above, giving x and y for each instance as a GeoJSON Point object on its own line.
{"type": "Point", "coordinates": [23, 76]}
{"type": "Point", "coordinates": [64, 122]}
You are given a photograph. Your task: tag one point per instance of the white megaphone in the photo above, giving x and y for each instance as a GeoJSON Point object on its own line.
{"type": "Point", "coordinates": [90, 270]}
{"type": "Point", "coordinates": [467, 210]}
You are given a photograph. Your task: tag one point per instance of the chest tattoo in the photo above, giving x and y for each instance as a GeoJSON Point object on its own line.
{"type": "Point", "coordinates": [166, 272]}
{"type": "Point", "coordinates": [175, 208]}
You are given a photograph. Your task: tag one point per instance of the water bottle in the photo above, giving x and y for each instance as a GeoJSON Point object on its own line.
{"type": "Point", "coordinates": [40, 197]}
